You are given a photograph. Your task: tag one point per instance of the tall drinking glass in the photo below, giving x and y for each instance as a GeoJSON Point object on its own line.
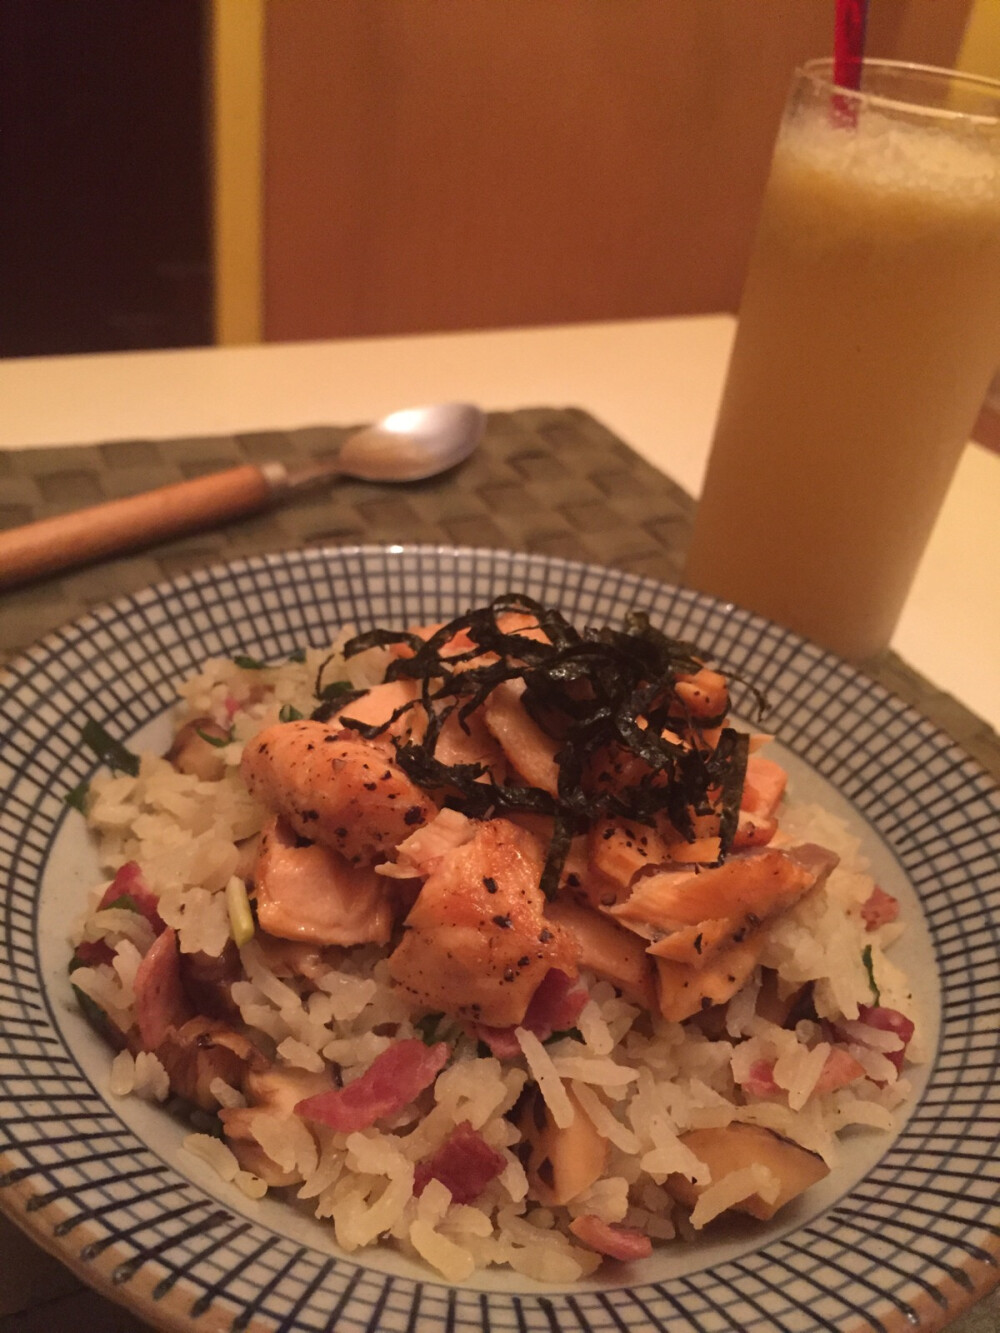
{"type": "Point", "coordinates": [868, 332]}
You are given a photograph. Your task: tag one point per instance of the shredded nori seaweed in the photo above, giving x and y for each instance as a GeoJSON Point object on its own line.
{"type": "Point", "coordinates": [587, 691]}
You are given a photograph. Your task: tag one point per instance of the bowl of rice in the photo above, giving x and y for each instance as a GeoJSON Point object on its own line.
{"type": "Point", "coordinates": [422, 938]}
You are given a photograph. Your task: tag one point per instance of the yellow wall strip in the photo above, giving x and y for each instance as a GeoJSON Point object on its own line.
{"type": "Point", "coordinates": [237, 103]}
{"type": "Point", "coordinates": [980, 52]}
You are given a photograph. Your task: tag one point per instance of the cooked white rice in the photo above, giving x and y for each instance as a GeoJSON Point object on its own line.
{"type": "Point", "coordinates": [641, 1082]}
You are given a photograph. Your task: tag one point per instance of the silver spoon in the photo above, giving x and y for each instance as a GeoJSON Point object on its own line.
{"type": "Point", "coordinates": [408, 445]}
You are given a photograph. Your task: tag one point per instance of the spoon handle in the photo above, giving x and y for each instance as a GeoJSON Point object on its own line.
{"type": "Point", "coordinates": [71, 539]}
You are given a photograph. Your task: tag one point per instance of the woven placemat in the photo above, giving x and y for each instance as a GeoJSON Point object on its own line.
{"type": "Point", "coordinates": [551, 481]}
{"type": "Point", "coordinates": [546, 480]}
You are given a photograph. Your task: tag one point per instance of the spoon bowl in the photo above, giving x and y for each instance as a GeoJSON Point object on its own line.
{"type": "Point", "coordinates": [413, 443]}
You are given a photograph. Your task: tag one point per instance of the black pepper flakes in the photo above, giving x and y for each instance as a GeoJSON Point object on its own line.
{"type": "Point", "coordinates": [490, 884]}
{"type": "Point", "coordinates": [504, 922]}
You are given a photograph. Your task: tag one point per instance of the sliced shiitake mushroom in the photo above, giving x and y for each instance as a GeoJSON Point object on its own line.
{"type": "Point", "coordinates": [560, 1163]}
{"type": "Point", "coordinates": [728, 1148]}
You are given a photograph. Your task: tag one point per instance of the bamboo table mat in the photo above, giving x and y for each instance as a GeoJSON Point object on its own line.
{"type": "Point", "coordinates": [552, 481]}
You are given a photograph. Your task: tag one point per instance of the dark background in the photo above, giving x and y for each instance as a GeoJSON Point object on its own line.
{"type": "Point", "coordinates": [104, 176]}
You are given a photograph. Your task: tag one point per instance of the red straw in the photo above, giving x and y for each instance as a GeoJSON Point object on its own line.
{"type": "Point", "coordinates": [849, 42]}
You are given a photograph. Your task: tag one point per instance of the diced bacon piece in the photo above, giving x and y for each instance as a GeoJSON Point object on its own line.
{"type": "Point", "coordinates": [839, 1069]}
{"type": "Point", "coordinates": [503, 1042]}
{"type": "Point", "coordinates": [130, 882]}
{"type": "Point", "coordinates": [465, 1164]}
{"type": "Point", "coordinates": [554, 1007]}
{"type": "Point", "coordinates": [624, 1243]}
{"type": "Point", "coordinates": [759, 1081]}
{"type": "Point", "coordinates": [391, 1082]}
{"type": "Point", "coordinates": [160, 1002]}
{"type": "Point", "coordinates": [94, 952]}
{"type": "Point", "coordinates": [763, 787]}
{"type": "Point", "coordinates": [879, 908]}
{"type": "Point", "coordinates": [312, 893]}
{"type": "Point", "coordinates": [889, 1020]}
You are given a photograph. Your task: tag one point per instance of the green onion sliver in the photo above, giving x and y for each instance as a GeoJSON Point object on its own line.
{"type": "Point", "coordinates": [240, 915]}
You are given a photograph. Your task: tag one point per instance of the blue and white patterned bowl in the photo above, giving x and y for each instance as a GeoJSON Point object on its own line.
{"type": "Point", "coordinates": [903, 1235]}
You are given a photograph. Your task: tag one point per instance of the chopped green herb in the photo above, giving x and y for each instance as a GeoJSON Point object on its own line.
{"type": "Point", "coordinates": [113, 753]}
{"type": "Point", "coordinates": [866, 958]}
{"type": "Point", "coordinates": [219, 742]}
{"type": "Point", "coordinates": [77, 798]}
{"type": "Point", "coordinates": [249, 663]}
{"type": "Point", "coordinates": [241, 920]}
{"type": "Point", "coordinates": [298, 656]}
{"type": "Point", "coordinates": [289, 713]}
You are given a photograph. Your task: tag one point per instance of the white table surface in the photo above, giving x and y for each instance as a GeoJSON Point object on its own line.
{"type": "Point", "coordinates": [655, 383]}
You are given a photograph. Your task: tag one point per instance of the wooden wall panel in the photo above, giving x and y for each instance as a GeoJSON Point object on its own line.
{"type": "Point", "coordinates": [446, 164]}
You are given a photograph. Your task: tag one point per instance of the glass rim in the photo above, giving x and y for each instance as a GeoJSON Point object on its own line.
{"type": "Point", "coordinates": [820, 71]}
